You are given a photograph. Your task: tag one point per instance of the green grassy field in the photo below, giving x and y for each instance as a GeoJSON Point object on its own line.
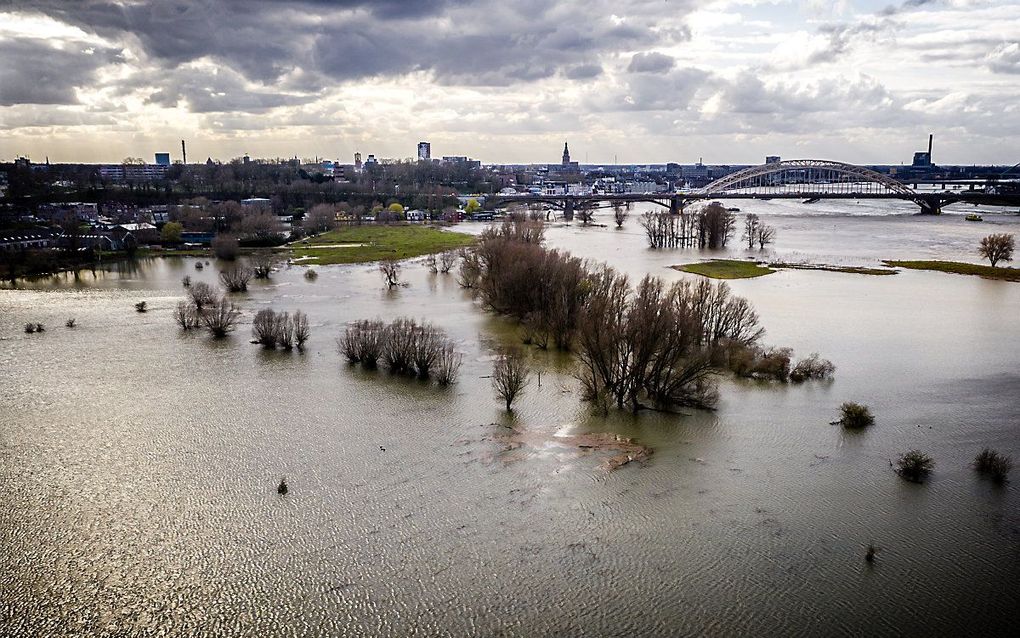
{"type": "Point", "coordinates": [726, 269]}
{"type": "Point", "coordinates": [960, 268]}
{"type": "Point", "coordinates": [374, 243]}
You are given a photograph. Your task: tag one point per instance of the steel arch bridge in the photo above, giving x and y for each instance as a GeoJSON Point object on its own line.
{"type": "Point", "coordinates": [789, 179]}
{"type": "Point", "coordinates": [818, 178]}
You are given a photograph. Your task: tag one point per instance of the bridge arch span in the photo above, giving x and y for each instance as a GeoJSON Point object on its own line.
{"type": "Point", "coordinates": [762, 176]}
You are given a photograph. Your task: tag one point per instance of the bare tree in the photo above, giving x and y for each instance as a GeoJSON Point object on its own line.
{"type": "Point", "coordinates": [997, 247]}
{"type": "Point", "coordinates": [766, 235]}
{"type": "Point", "coordinates": [263, 262]}
{"type": "Point", "coordinates": [187, 315]}
{"type": "Point", "coordinates": [321, 218]}
{"type": "Point", "coordinates": [390, 268]}
{"type": "Point", "coordinates": [225, 246]}
{"type": "Point", "coordinates": [619, 214]}
{"type": "Point", "coordinates": [447, 261]}
{"type": "Point", "coordinates": [510, 375]}
{"type": "Point", "coordinates": [432, 263]}
{"type": "Point", "coordinates": [448, 364]}
{"type": "Point", "coordinates": [363, 342]}
{"type": "Point", "coordinates": [300, 329]}
{"type": "Point", "coordinates": [751, 226]}
{"type": "Point", "coordinates": [220, 318]}
{"type": "Point", "coordinates": [236, 278]}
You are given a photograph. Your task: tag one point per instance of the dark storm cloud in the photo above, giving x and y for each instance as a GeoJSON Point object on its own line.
{"type": "Point", "coordinates": [34, 72]}
{"type": "Point", "coordinates": [483, 42]}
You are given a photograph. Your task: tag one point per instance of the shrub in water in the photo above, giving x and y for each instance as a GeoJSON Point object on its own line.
{"type": "Point", "coordinates": [141, 306]}
{"type": "Point", "coordinates": [202, 295]}
{"type": "Point", "coordinates": [70, 323]}
{"type": "Point", "coordinates": [29, 328]}
{"type": "Point", "coordinates": [236, 278]}
{"type": "Point", "coordinates": [855, 415]}
{"type": "Point", "coordinates": [187, 315]}
{"type": "Point", "coordinates": [311, 275]}
{"type": "Point", "coordinates": [994, 465]}
{"type": "Point", "coordinates": [812, 367]}
{"type": "Point", "coordinates": [186, 281]}
{"type": "Point", "coordinates": [220, 318]}
{"type": "Point", "coordinates": [915, 466]}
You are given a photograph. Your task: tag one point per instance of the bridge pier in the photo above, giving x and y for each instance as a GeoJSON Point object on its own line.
{"type": "Point", "coordinates": [930, 204]}
{"type": "Point", "coordinates": [675, 206]}
{"type": "Point", "coordinates": [568, 210]}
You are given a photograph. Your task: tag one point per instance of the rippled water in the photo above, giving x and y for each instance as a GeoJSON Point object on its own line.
{"type": "Point", "coordinates": [138, 465]}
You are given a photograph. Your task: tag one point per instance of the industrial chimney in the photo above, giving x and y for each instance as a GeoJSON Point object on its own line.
{"type": "Point", "coordinates": [184, 153]}
{"type": "Point", "coordinates": [931, 136]}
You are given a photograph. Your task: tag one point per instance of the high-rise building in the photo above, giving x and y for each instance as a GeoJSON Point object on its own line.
{"type": "Point", "coordinates": [424, 151]}
{"type": "Point", "coordinates": [772, 159]}
{"type": "Point", "coordinates": [357, 161]}
{"type": "Point", "coordinates": [163, 159]}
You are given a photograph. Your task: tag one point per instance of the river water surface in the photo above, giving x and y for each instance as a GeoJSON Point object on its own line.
{"type": "Point", "coordinates": [139, 464]}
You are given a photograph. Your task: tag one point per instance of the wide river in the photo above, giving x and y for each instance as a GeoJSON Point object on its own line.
{"type": "Point", "coordinates": [139, 464]}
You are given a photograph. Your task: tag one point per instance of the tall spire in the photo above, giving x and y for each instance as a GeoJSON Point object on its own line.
{"type": "Point", "coordinates": [566, 154]}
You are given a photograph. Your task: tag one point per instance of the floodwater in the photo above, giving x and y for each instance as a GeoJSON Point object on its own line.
{"type": "Point", "coordinates": [138, 464]}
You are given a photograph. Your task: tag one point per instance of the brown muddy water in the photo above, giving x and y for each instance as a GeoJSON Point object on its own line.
{"type": "Point", "coordinates": [138, 465]}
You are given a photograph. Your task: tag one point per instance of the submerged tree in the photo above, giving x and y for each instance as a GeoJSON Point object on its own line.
{"type": "Point", "coordinates": [390, 269]}
{"type": "Point", "coordinates": [997, 247]}
{"type": "Point", "coordinates": [510, 376]}
{"type": "Point", "coordinates": [220, 318]}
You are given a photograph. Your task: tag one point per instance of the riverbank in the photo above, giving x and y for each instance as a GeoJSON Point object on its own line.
{"type": "Point", "coordinates": [357, 244]}
{"type": "Point", "coordinates": [960, 268]}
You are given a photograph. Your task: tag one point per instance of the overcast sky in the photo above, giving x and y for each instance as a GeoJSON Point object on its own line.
{"type": "Point", "coordinates": [509, 80]}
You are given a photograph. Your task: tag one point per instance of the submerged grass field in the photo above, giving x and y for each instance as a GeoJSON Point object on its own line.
{"type": "Point", "coordinates": [960, 268]}
{"type": "Point", "coordinates": [356, 244]}
{"type": "Point", "coordinates": [726, 269]}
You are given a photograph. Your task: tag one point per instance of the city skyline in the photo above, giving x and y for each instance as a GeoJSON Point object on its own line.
{"type": "Point", "coordinates": [633, 82]}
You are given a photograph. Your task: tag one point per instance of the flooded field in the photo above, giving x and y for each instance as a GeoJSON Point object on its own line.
{"type": "Point", "coordinates": [139, 464]}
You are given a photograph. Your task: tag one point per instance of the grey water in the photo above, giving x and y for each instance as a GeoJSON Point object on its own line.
{"type": "Point", "coordinates": [139, 464]}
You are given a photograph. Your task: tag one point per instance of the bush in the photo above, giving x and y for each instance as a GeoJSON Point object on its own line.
{"type": "Point", "coordinates": [311, 275]}
{"type": "Point", "coordinates": [273, 329]}
{"type": "Point", "coordinates": [70, 323]}
{"type": "Point", "coordinates": [855, 415]}
{"type": "Point", "coordinates": [994, 465]}
{"type": "Point", "coordinates": [198, 265]}
{"type": "Point", "coordinates": [30, 328]}
{"type": "Point", "coordinates": [773, 363]}
{"type": "Point", "coordinates": [226, 247]}
{"type": "Point", "coordinates": [220, 318]}
{"type": "Point", "coordinates": [187, 315]}
{"type": "Point", "coordinates": [236, 278]}
{"type": "Point", "coordinates": [363, 342]}
{"type": "Point", "coordinates": [812, 367]}
{"type": "Point", "coordinates": [915, 466]}
{"type": "Point", "coordinates": [186, 281]}
{"type": "Point", "coordinates": [141, 306]}
{"type": "Point", "coordinates": [202, 295]}
{"type": "Point", "coordinates": [432, 263]}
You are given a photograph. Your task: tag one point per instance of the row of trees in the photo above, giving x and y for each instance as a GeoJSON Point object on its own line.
{"type": "Point", "coordinates": [708, 226]}
{"type": "Point", "coordinates": [404, 347]}
{"type": "Point", "coordinates": [272, 329]}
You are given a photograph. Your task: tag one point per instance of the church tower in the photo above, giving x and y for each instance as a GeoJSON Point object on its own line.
{"type": "Point", "coordinates": [566, 155]}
